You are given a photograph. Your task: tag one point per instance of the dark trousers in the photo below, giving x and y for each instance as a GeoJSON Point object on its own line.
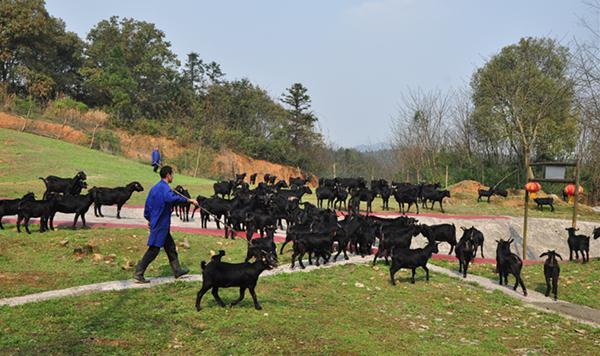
{"type": "Point", "coordinates": [153, 251]}
{"type": "Point", "coordinates": [155, 167]}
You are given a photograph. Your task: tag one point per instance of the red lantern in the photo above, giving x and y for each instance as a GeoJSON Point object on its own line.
{"type": "Point", "coordinates": [570, 190]}
{"type": "Point", "coordinates": [533, 187]}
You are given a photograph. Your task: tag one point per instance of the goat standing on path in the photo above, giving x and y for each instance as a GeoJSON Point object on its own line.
{"type": "Point", "coordinates": [508, 262]}
{"type": "Point", "coordinates": [551, 272]}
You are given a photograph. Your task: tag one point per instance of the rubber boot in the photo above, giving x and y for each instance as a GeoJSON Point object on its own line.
{"type": "Point", "coordinates": [149, 256]}
{"type": "Point", "coordinates": [177, 270]}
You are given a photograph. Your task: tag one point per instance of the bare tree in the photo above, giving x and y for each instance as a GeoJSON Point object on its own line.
{"type": "Point", "coordinates": [421, 131]}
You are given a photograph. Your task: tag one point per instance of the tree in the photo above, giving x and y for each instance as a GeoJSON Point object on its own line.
{"type": "Point", "coordinates": [523, 96]}
{"type": "Point", "coordinates": [38, 56]}
{"type": "Point", "coordinates": [194, 72]}
{"type": "Point", "coordinates": [421, 132]}
{"type": "Point", "coordinates": [130, 69]}
{"type": "Point", "coordinates": [301, 119]}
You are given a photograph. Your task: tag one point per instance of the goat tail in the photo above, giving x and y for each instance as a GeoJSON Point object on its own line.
{"type": "Point", "coordinates": [203, 265]}
{"type": "Point", "coordinates": [43, 180]}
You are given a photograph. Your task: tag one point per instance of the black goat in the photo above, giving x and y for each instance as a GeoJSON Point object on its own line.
{"type": "Point", "coordinates": [441, 233]}
{"type": "Point", "coordinates": [325, 193]}
{"type": "Point", "coordinates": [239, 178]}
{"type": "Point", "coordinates": [488, 193]}
{"type": "Point", "coordinates": [11, 206]}
{"type": "Point", "coordinates": [72, 186]}
{"type": "Point", "coordinates": [465, 251]}
{"type": "Point", "coordinates": [253, 178]}
{"type": "Point", "coordinates": [72, 204]}
{"type": "Point", "coordinates": [544, 201]}
{"type": "Point", "coordinates": [578, 243]}
{"type": "Point", "coordinates": [183, 209]}
{"type": "Point", "coordinates": [340, 195]}
{"type": "Point", "coordinates": [508, 262]}
{"type": "Point", "coordinates": [255, 246]}
{"type": "Point", "coordinates": [407, 258]}
{"type": "Point", "coordinates": [477, 237]}
{"type": "Point", "coordinates": [596, 233]}
{"type": "Point", "coordinates": [551, 272]}
{"type": "Point", "coordinates": [223, 188]}
{"type": "Point", "coordinates": [111, 196]}
{"type": "Point", "coordinates": [42, 209]}
{"type": "Point", "coordinates": [408, 195]}
{"type": "Point", "coordinates": [318, 243]}
{"type": "Point", "coordinates": [217, 274]}
{"type": "Point", "coordinates": [435, 196]}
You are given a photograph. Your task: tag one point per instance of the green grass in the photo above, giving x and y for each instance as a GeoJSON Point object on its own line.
{"type": "Point", "coordinates": [321, 312]}
{"type": "Point", "coordinates": [578, 282]}
{"type": "Point", "coordinates": [38, 262]}
{"type": "Point", "coordinates": [25, 157]}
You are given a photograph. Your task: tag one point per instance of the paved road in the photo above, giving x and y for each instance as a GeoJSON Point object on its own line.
{"type": "Point", "coordinates": [544, 233]}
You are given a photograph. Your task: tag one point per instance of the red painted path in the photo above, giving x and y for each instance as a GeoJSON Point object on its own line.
{"type": "Point", "coordinates": [221, 233]}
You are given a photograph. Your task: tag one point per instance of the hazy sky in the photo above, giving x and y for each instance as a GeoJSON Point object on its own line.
{"type": "Point", "coordinates": [356, 57]}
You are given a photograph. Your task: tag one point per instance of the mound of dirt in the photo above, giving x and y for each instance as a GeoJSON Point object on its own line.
{"type": "Point", "coordinates": [227, 162]}
{"type": "Point", "coordinates": [466, 186]}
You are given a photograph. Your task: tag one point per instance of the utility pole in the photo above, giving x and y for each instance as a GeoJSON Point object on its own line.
{"type": "Point", "coordinates": [576, 202]}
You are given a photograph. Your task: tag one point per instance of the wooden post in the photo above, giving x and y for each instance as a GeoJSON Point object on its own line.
{"type": "Point", "coordinates": [526, 210]}
{"type": "Point", "coordinates": [197, 161]}
{"type": "Point", "coordinates": [418, 176]}
{"type": "Point", "coordinates": [576, 202]}
{"type": "Point", "coordinates": [334, 170]}
{"type": "Point", "coordinates": [446, 177]}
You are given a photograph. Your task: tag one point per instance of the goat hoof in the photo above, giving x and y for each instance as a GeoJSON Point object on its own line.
{"type": "Point", "coordinates": [525, 293]}
{"type": "Point", "coordinates": [258, 307]}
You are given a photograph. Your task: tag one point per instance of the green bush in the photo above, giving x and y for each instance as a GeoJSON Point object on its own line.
{"type": "Point", "coordinates": [146, 127]}
{"type": "Point", "coordinates": [24, 106]}
{"type": "Point", "coordinates": [107, 141]}
{"type": "Point", "coordinates": [68, 103]}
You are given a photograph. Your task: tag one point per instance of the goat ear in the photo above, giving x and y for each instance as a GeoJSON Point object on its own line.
{"type": "Point", "coordinates": [465, 229]}
{"type": "Point", "coordinates": [559, 256]}
{"type": "Point", "coordinates": [544, 254]}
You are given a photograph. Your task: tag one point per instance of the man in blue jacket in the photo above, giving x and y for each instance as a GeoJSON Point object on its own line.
{"type": "Point", "coordinates": [155, 158]}
{"type": "Point", "coordinates": [158, 213]}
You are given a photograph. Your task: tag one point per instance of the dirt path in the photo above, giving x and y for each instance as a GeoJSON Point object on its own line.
{"type": "Point", "coordinates": [579, 313]}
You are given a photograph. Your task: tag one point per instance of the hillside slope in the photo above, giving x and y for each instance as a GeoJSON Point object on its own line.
{"type": "Point", "coordinates": [25, 157]}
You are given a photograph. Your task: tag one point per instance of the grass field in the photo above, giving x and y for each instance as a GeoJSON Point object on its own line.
{"type": "Point", "coordinates": [579, 283]}
{"type": "Point", "coordinates": [38, 262]}
{"type": "Point", "coordinates": [321, 312]}
{"type": "Point", "coordinates": [25, 157]}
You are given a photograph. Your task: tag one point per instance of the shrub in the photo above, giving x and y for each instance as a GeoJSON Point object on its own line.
{"type": "Point", "coordinates": [107, 141]}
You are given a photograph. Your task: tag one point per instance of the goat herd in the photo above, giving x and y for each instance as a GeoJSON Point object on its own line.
{"type": "Point", "coordinates": [314, 230]}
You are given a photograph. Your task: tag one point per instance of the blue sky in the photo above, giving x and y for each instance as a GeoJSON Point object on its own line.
{"type": "Point", "coordinates": [356, 58]}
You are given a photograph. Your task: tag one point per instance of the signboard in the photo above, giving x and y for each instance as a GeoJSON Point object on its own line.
{"type": "Point", "coordinates": [555, 172]}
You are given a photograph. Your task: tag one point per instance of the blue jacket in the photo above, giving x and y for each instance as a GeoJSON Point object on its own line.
{"type": "Point", "coordinates": [155, 157]}
{"type": "Point", "coordinates": [157, 211]}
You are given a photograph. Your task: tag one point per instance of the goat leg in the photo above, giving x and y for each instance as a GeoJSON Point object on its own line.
{"type": "Point", "coordinates": [199, 296]}
{"type": "Point", "coordinates": [253, 294]}
{"type": "Point", "coordinates": [215, 293]}
{"type": "Point", "coordinates": [427, 272]}
{"type": "Point", "coordinates": [412, 280]}
{"type": "Point", "coordinates": [241, 297]}
{"type": "Point", "coordinates": [548, 286]}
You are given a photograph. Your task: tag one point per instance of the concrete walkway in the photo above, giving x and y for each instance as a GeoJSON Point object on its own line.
{"type": "Point", "coordinates": [579, 313]}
